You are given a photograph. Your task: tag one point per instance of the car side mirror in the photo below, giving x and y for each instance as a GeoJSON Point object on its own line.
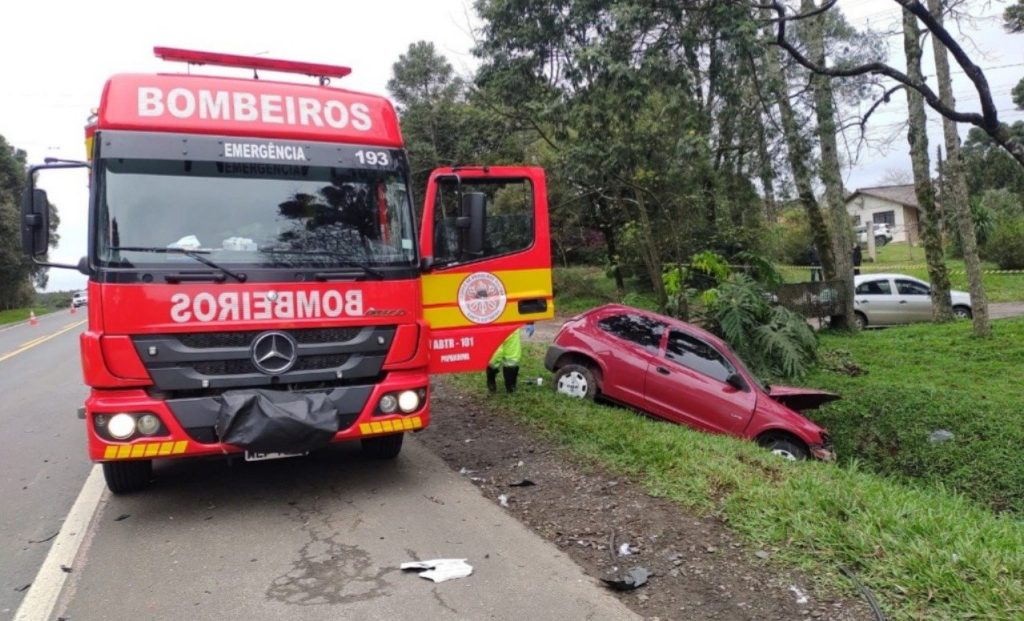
{"type": "Point", "coordinates": [472, 224]}
{"type": "Point", "coordinates": [35, 222]}
{"type": "Point", "coordinates": [736, 381]}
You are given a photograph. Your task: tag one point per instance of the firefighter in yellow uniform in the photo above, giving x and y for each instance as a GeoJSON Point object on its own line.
{"type": "Point", "coordinates": [506, 359]}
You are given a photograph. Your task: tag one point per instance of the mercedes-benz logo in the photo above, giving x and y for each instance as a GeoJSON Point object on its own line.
{"type": "Point", "coordinates": [274, 353]}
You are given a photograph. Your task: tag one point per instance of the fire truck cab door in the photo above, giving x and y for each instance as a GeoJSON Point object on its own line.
{"type": "Point", "coordinates": [487, 253]}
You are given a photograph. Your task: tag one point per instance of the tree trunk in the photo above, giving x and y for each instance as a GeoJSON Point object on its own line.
{"type": "Point", "coordinates": [650, 252]}
{"type": "Point", "coordinates": [956, 194]}
{"type": "Point", "coordinates": [800, 159]}
{"type": "Point", "coordinates": [917, 135]}
{"type": "Point", "coordinates": [831, 173]}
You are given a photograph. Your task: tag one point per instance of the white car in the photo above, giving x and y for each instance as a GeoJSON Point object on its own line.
{"type": "Point", "coordinates": [891, 299]}
{"type": "Point", "coordinates": [883, 234]}
{"type": "Point", "coordinates": [79, 298]}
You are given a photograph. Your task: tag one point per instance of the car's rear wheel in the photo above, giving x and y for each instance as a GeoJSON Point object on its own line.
{"type": "Point", "coordinates": [125, 477]}
{"type": "Point", "coordinates": [860, 320]}
{"type": "Point", "coordinates": [786, 448]}
{"type": "Point", "coordinates": [576, 380]}
{"type": "Point", "coordinates": [384, 447]}
{"type": "Point", "coordinates": [962, 312]}
{"type": "Point", "coordinates": [881, 240]}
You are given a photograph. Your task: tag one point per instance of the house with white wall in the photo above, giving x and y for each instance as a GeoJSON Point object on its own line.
{"type": "Point", "coordinates": [895, 205]}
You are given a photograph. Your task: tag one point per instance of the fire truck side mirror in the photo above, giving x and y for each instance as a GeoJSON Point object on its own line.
{"type": "Point", "coordinates": [35, 222]}
{"type": "Point", "coordinates": [472, 224]}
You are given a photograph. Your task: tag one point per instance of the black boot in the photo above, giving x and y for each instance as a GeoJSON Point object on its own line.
{"type": "Point", "coordinates": [510, 375]}
{"type": "Point", "coordinates": [492, 379]}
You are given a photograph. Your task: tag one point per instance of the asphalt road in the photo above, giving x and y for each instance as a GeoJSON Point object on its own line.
{"type": "Point", "coordinates": [309, 538]}
{"type": "Point", "coordinates": [43, 459]}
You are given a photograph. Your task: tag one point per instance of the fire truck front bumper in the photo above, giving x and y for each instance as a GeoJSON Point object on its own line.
{"type": "Point", "coordinates": [130, 424]}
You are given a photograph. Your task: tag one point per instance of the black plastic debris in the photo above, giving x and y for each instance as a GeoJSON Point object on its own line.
{"type": "Point", "coordinates": [65, 569]}
{"type": "Point", "coordinates": [276, 422]}
{"type": "Point", "coordinates": [22, 588]}
{"type": "Point", "coordinates": [122, 517]}
{"type": "Point", "coordinates": [632, 579]}
{"type": "Point", "coordinates": [523, 483]}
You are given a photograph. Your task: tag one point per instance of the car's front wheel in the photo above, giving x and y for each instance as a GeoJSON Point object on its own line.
{"type": "Point", "coordinates": [881, 240]}
{"type": "Point", "coordinates": [962, 312]}
{"type": "Point", "coordinates": [786, 448]}
{"type": "Point", "coordinates": [576, 380]}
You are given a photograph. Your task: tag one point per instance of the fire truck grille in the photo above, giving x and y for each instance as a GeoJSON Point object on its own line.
{"type": "Point", "coordinates": [210, 340]}
{"type": "Point", "coordinates": [225, 360]}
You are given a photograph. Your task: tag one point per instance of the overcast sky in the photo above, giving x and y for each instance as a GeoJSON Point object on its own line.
{"type": "Point", "coordinates": [57, 55]}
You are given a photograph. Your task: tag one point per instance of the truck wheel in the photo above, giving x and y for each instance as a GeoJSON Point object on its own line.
{"type": "Point", "coordinates": [125, 477]}
{"type": "Point", "coordinates": [384, 447]}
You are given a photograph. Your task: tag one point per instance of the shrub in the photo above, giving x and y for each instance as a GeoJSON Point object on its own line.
{"type": "Point", "coordinates": [772, 340]}
{"type": "Point", "coordinates": [1006, 246]}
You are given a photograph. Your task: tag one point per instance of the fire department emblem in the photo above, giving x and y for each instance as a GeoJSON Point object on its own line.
{"type": "Point", "coordinates": [482, 297]}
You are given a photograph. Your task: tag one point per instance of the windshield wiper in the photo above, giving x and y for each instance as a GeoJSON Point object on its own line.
{"type": "Point", "coordinates": [345, 262]}
{"type": "Point", "coordinates": [193, 254]}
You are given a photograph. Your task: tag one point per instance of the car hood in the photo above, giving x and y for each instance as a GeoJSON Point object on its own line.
{"type": "Point", "coordinates": [801, 399]}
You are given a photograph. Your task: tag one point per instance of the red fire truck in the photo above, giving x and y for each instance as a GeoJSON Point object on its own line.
{"type": "Point", "coordinates": [258, 284]}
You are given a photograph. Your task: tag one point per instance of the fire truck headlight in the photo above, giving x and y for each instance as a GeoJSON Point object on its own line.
{"type": "Point", "coordinates": [148, 424]}
{"type": "Point", "coordinates": [409, 401]}
{"type": "Point", "coordinates": [121, 426]}
{"type": "Point", "coordinates": [388, 404]}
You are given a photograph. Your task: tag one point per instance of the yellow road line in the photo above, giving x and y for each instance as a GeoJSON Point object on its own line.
{"type": "Point", "coordinates": [40, 340]}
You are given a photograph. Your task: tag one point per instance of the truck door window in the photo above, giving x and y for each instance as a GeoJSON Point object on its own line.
{"type": "Point", "coordinates": [698, 356]}
{"type": "Point", "coordinates": [509, 221]}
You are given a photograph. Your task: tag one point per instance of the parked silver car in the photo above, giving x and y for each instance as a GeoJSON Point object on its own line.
{"type": "Point", "coordinates": [891, 299]}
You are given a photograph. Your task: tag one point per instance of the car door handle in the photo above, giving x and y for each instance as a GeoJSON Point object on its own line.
{"type": "Point", "coordinates": [903, 301]}
{"type": "Point", "coordinates": [865, 301]}
{"type": "Point", "coordinates": [662, 370]}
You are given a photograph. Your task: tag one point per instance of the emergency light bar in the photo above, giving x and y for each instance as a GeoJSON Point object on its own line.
{"type": "Point", "coordinates": [196, 57]}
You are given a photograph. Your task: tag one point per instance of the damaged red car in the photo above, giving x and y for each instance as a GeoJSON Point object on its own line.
{"type": "Point", "coordinates": [681, 373]}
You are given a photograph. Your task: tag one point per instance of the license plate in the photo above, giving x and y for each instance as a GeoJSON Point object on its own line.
{"type": "Point", "coordinates": [254, 456]}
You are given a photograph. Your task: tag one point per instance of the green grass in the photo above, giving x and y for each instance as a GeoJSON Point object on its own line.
{"type": "Point", "coordinates": [581, 288]}
{"type": "Point", "coordinates": [905, 259]}
{"type": "Point", "coordinates": [21, 314]}
{"type": "Point", "coordinates": [924, 378]}
{"type": "Point", "coordinates": [927, 553]}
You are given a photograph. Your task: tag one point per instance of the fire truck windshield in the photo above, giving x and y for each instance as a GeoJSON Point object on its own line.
{"type": "Point", "coordinates": [259, 215]}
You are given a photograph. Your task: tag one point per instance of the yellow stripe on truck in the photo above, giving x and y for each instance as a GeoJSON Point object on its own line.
{"type": "Point", "coordinates": [145, 449]}
{"type": "Point", "coordinates": [441, 291]}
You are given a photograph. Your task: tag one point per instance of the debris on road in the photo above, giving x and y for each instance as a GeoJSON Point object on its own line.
{"type": "Point", "coordinates": [440, 569]}
{"type": "Point", "coordinates": [632, 579]}
{"type": "Point", "coordinates": [123, 516]}
{"type": "Point", "coordinates": [23, 588]}
{"type": "Point", "coordinates": [503, 500]}
{"type": "Point", "coordinates": [522, 483]}
{"type": "Point", "coordinates": [801, 597]}
{"type": "Point", "coordinates": [44, 540]}
{"type": "Point", "coordinates": [626, 549]}
{"type": "Point", "coordinates": [65, 569]}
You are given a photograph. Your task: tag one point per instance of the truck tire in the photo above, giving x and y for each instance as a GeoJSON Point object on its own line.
{"type": "Point", "coordinates": [384, 447]}
{"type": "Point", "coordinates": [125, 477]}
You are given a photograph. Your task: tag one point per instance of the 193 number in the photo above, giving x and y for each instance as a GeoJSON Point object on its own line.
{"type": "Point", "coordinates": [373, 158]}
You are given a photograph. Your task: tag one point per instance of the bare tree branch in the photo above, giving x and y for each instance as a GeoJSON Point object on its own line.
{"type": "Point", "coordinates": [987, 120]}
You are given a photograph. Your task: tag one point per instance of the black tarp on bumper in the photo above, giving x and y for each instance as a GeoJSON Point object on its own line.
{"type": "Point", "coordinates": [270, 421]}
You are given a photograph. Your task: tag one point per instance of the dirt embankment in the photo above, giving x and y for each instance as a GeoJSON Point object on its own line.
{"type": "Point", "coordinates": [700, 569]}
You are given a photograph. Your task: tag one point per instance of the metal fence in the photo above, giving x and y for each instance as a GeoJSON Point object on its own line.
{"type": "Point", "coordinates": [813, 300]}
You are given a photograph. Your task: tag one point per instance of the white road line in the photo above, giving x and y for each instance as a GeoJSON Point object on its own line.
{"type": "Point", "coordinates": [42, 596]}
